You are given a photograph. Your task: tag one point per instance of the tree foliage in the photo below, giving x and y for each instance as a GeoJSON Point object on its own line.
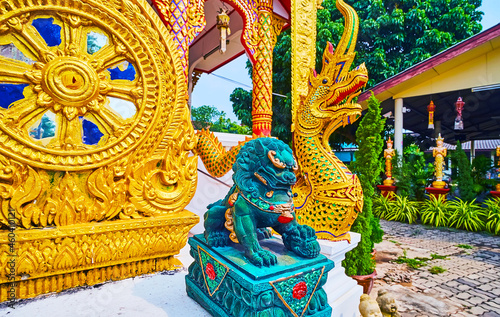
{"type": "Point", "coordinates": [208, 117]}
{"type": "Point", "coordinates": [393, 35]}
{"type": "Point", "coordinates": [412, 173]}
{"type": "Point", "coordinates": [464, 179]}
{"type": "Point", "coordinates": [368, 166]}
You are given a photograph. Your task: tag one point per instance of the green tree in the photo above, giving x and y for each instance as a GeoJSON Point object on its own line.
{"type": "Point", "coordinates": [208, 117]}
{"type": "Point", "coordinates": [204, 116]}
{"type": "Point", "coordinates": [393, 35]}
{"type": "Point", "coordinates": [368, 166]}
{"type": "Point", "coordinates": [464, 177]}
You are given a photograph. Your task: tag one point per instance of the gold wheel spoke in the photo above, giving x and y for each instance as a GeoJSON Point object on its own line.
{"type": "Point", "coordinates": [31, 39]}
{"type": "Point", "coordinates": [73, 33]}
{"type": "Point", "coordinates": [125, 90]}
{"type": "Point", "coordinates": [12, 71]}
{"type": "Point", "coordinates": [109, 56]}
{"type": "Point", "coordinates": [22, 113]}
{"type": "Point", "coordinates": [109, 120]}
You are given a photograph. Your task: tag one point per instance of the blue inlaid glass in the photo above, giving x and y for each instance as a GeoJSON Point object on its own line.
{"type": "Point", "coordinates": [117, 73]}
{"type": "Point", "coordinates": [46, 128]}
{"type": "Point", "coordinates": [49, 31]}
{"type": "Point", "coordinates": [95, 41]}
{"type": "Point", "coordinates": [91, 133]}
{"type": "Point", "coordinates": [10, 93]}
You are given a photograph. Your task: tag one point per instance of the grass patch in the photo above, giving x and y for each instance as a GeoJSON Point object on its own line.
{"type": "Point", "coordinates": [464, 246]}
{"type": "Point", "coordinates": [435, 256]}
{"type": "Point", "coordinates": [393, 241]}
{"type": "Point", "coordinates": [418, 262]}
{"type": "Point", "coordinates": [437, 270]}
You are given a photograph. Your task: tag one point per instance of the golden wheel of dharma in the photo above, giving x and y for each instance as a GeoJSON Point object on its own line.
{"type": "Point", "coordinates": [88, 77]}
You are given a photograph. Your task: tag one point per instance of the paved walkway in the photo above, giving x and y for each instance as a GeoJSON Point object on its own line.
{"type": "Point", "coordinates": [470, 286]}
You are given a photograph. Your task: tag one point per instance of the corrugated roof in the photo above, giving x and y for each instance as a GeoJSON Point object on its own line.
{"type": "Point", "coordinates": [480, 145]}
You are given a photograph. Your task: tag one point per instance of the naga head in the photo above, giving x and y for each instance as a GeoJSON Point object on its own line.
{"type": "Point", "coordinates": [332, 91]}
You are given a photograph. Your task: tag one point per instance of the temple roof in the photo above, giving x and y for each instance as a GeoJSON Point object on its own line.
{"type": "Point", "coordinates": [468, 69]}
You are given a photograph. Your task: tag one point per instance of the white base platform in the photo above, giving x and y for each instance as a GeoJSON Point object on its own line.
{"type": "Point", "coordinates": [343, 292]}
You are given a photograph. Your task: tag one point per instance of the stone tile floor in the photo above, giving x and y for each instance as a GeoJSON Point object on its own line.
{"type": "Point", "coordinates": [470, 286]}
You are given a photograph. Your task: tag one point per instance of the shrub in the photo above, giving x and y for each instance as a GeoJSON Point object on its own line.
{"type": "Point", "coordinates": [466, 215]}
{"type": "Point", "coordinates": [493, 220]}
{"type": "Point", "coordinates": [404, 210]}
{"type": "Point", "coordinates": [465, 181]}
{"type": "Point", "coordinates": [381, 206]}
{"type": "Point", "coordinates": [435, 211]}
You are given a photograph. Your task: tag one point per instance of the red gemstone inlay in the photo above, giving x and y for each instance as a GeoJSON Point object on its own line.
{"type": "Point", "coordinates": [271, 207]}
{"type": "Point", "coordinates": [300, 290]}
{"type": "Point", "coordinates": [210, 271]}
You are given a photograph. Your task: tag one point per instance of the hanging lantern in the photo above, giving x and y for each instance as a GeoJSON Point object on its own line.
{"type": "Point", "coordinates": [459, 106]}
{"type": "Point", "coordinates": [223, 26]}
{"type": "Point", "coordinates": [431, 107]}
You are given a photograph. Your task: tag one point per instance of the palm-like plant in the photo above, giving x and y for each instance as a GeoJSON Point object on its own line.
{"type": "Point", "coordinates": [435, 211]}
{"type": "Point", "coordinates": [381, 206]}
{"type": "Point", "coordinates": [493, 220]}
{"type": "Point", "coordinates": [466, 215]}
{"type": "Point", "coordinates": [402, 209]}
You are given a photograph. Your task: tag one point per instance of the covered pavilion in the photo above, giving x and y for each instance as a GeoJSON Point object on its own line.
{"type": "Point", "coordinates": [469, 70]}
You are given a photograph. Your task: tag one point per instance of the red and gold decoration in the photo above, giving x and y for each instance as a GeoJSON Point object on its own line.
{"type": "Point", "coordinates": [459, 106]}
{"type": "Point", "coordinates": [431, 108]}
{"type": "Point", "coordinates": [184, 19]}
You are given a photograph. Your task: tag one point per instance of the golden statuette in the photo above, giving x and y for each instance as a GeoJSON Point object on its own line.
{"type": "Point", "coordinates": [94, 147]}
{"type": "Point", "coordinates": [439, 153]}
{"type": "Point", "coordinates": [388, 155]}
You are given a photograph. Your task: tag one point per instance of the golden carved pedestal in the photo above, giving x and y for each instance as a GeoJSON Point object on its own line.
{"type": "Point", "coordinates": [55, 259]}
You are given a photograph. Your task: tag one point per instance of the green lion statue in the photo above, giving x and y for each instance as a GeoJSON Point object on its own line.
{"type": "Point", "coordinates": [261, 197]}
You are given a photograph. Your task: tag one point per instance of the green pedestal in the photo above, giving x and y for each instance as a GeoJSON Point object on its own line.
{"type": "Point", "coordinates": [226, 284]}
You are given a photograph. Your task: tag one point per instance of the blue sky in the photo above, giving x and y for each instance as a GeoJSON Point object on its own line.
{"type": "Point", "coordinates": [214, 91]}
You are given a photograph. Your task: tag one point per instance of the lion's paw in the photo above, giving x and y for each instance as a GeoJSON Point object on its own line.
{"type": "Point", "coordinates": [262, 257]}
{"type": "Point", "coordinates": [302, 241]}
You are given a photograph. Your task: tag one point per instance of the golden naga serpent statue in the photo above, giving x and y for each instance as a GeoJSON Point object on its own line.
{"type": "Point", "coordinates": [327, 195]}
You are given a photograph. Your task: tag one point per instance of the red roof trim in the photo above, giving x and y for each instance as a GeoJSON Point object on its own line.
{"type": "Point", "coordinates": [434, 61]}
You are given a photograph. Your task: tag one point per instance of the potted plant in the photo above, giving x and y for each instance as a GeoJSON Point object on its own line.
{"type": "Point", "coordinates": [359, 263]}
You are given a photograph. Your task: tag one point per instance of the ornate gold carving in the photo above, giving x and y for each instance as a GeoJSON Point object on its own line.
{"type": "Point", "coordinates": [138, 175]}
{"type": "Point", "coordinates": [304, 49]}
{"type": "Point", "coordinates": [92, 253]}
